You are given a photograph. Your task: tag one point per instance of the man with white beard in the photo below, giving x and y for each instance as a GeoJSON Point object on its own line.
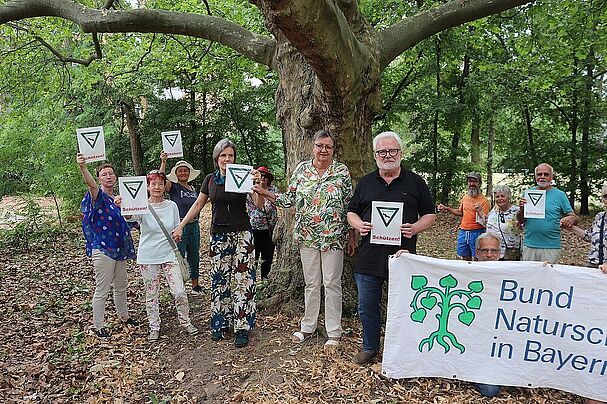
{"type": "Point", "coordinates": [473, 209]}
{"type": "Point", "coordinates": [390, 183]}
{"type": "Point", "coordinates": [543, 236]}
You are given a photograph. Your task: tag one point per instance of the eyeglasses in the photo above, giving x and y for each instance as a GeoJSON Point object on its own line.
{"type": "Point", "coordinates": [605, 196]}
{"type": "Point", "coordinates": [542, 174]}
{"type": "Point", "coordinates": [488, 250]}
{"type": "Point", "coordinates": [387, 152]}
{"type": "Point", "coordinates": [326, 147]}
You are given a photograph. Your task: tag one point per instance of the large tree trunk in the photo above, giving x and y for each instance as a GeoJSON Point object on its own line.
{"type": "Point", "coordinates": [475, 140]}
{"type": "Point", "coordinates": [303, 106]}
{"type": "Point", "coordinates": [530, 137]}
{"type": "Point", "coordinates": [435, 120]}
{"type": "Point", "coordinates": [490, 141]}
{"type": "Point", "coordinates": [587, 113]}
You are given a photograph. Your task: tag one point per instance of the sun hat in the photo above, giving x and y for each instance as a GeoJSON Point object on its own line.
{"type": "Point", "coordinates": [182, 163]}
{"type": "Point", "coordinates": [266, 171]}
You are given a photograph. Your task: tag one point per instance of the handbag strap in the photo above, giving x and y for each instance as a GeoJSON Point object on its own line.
{"type": "Point", "coordinates": [601, 240]}
{"type": "Point", "coordinates": [167, 235]}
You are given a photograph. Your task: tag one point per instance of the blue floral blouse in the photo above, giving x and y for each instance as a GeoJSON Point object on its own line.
{"type": "Point", "coordinates": [104, 227]}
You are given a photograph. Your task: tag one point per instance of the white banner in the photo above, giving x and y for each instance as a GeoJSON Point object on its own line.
{"type": "Point", "coordinates": [505, 323]}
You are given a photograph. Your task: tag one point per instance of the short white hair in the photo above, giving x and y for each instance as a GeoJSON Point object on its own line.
{"type": "Point", "coordinates": [544, 164]}
{"type": "Point", "coordinates": [387, 135]}
{"type": "Point", "coordinates": [485, 235]}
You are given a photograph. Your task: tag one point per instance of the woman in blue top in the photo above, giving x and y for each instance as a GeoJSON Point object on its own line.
{"type": "Point", "coordinates": [108, 243]}
{"type": "Point", "coordinates": [184, 195]}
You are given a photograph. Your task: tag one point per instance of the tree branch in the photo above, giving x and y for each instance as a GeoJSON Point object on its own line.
{"type": "Point", "coordinates": [66, 59]}
{"type": "Point", "coordinates": [405, 34]}
{"type": "Point", "coordinates": [256, 47]}
{"type": "Point", "coordinates": [324, 37]}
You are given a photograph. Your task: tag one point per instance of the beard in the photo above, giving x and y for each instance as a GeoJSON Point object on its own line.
{"type": "Point", "coordinates": [473, 192]}
{"type": "Point", "coordinates": [543, 184]}
{"type": "Point", "coordinates": [390, 165]}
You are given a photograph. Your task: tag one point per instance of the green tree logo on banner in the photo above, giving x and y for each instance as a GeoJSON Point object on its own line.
{"type": "Point", "coordinates": [428, 298]}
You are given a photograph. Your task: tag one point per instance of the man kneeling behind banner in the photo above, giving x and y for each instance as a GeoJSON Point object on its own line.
{"type": "Point", "coordinates": [501, 323]}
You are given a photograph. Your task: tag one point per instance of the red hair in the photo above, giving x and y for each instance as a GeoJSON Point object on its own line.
{"type": "Point", "coordinates": [155, 174]}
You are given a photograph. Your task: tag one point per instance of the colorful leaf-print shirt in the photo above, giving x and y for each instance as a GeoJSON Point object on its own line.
{"type": "Point", "coordinates": [321, 205]}
{"type": "Point", "coordinates": [104, 227]}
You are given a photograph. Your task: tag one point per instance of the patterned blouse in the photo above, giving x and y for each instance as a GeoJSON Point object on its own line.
{"type": "Point", "coordinates": [593, 236]}
{"type": "Point", "coordinates": [104, 227]}
{"type": "Point", "coordinates": [262, 219]}
{"type": "Point", "coordinates": [321, 205]}
{"type": "Point", "coordinates": [504, 224]}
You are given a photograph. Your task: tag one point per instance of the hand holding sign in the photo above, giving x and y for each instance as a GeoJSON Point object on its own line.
{"type": "Point", "coordinates": [91, 143]}
{"type": "Point", "coordinates": [171, 143]}
{"type": "Point", "coordinates": [134, 195]}
{"type": "Point", "coordinates": [535, 204]}
{"type": "Point", "coordinates": [239, 178]}
{"type": "Point", "coordinates": [386, 218]}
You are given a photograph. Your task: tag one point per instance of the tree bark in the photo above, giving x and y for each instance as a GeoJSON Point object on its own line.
{"type": "Point", "coordinates": [435, 120]}
{"type": "Point", "coordinates": [530, 137]}
{"type": "Point", "coordinates": [475, 140]}
{"type": "Point", "coordinates": [490, 142]}
{"type": "Point", "coordinates": [128, 110]}
{"type": "Point", "coordinates": [586, 118]}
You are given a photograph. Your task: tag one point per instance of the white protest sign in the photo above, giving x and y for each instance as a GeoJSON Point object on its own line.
{"type": "Point", "coordinates": [171, 143]}
{"type": "Point", "coordinates": [91, 143]}
{"type": "Point", "coordinates": [386, 218]}
{"type": "Point", "coordinates": [536, 204]}
{"type": "Point", "coordinates": [134, 193]}
{"type": "Point", "coordinates": [238, 178]}
{"type": "Point", "coordinates": [497, 322]}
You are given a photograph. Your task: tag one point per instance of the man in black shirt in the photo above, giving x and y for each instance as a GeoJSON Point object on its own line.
{"type": "Point", "coordinates": [390, 183]}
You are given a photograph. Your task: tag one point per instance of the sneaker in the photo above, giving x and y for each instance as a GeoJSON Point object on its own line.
{"type": "Point", "coordinates": [197, 290]}
{"type": "Point", "coordinates": [191, 330]}
{"type": "Point", "coordinates": [364, 357]}
{"type": "Point", "coordinates": [242, 339]}
{"type": "Point", "coordinates": [102, 333]}
{"type": "Point", "coordinates": [217, 335]}
{"type": "Point", "coordinates": [153, 335]}
{"type": "Point", "coordinates": [132, 322]}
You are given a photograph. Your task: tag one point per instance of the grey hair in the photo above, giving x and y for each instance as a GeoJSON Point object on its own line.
{"type": "Point", "coordinates": [323, 133]}
{"type": "Point", "coordinates": [504, 189]}
{"type": "Point", "coordinates": [221, 146]}
{"type": "Point", "coordinates": [387, 135]}
{"type": "Point", "coordinates": [544, 164]}
{"type": "Point", "coordinates": [485, 235]}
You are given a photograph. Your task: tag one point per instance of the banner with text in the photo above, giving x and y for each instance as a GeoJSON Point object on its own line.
{"type": "Point", "coordinates": [498, 322]}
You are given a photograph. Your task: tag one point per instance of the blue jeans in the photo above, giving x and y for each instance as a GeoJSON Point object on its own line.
{"type": "Point", "coordinates": [369, 309]}
{"type": "Point", "coordinates": [487, 390]}
{"type": "Point", "coordinates": [189, 247]}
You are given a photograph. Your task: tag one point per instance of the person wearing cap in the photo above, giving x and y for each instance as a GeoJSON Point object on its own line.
{"type": "Point", "coordinates": [263, 221]}
{"type": "Point", "coordinates": [184, 195]}
{"type": "Point", "coordinates": [543, 236]}
{"type": "Point", "coordinates": [473, 208]}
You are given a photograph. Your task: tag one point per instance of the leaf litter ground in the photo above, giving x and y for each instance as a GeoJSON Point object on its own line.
{"type": "Point", "coordinates": [48, 353]}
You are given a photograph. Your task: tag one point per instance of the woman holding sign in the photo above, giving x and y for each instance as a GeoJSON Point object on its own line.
{"type": "Point", "coordinates": [319, 189]}
{"type": "Point", "coordinates": [184, 195]}
{"type": "Point", "coordinates": [231, 245]}
{"type": "Point", "coordinates": [108, 243]}
{"type": "Point", "coordinates": [156, 257]}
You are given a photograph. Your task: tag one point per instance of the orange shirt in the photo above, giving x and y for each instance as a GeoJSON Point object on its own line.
{"type": "Point", "coordinates": [467, 206]}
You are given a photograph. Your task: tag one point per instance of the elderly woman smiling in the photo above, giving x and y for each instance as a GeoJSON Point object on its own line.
{"type": "Point", "coordinates": [502, 221]}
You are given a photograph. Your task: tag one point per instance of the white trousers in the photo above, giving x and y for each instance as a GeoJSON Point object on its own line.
{"type": "Point", "coordinates": [328, 267]}
{"type": "Point", "coordinates": [107, 272]}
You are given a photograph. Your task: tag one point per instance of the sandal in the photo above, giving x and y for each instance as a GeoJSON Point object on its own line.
{"type": "Point", "coordinates": [299, 337]}
{"type": "Point", "coordinates": [332, 342]}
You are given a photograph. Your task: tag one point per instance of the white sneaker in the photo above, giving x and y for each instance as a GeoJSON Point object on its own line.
{"type": "Point", "coordinates": [153, 335]}
{"type": "Point", "coordinates": [191, 330]}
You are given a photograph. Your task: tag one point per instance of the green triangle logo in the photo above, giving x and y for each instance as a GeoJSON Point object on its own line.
{"type": "Point", "coordinates": [90, 138]}
{"type": "Point", "coordinates": [133, 187]}
{"type": "Point", "coordinates": [535, 197]}
{"type": "Point", "coordinates": [386, 214]}
{"type": "Point", "coordinates": [171, 138]}
{"type": "Point", "coordinates": [239, 175]}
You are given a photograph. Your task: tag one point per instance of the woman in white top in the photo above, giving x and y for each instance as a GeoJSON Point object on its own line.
{"type": "Point", "coordinates": [155, 256]}
{"type": "Point", "coordinates": [502, 221]}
